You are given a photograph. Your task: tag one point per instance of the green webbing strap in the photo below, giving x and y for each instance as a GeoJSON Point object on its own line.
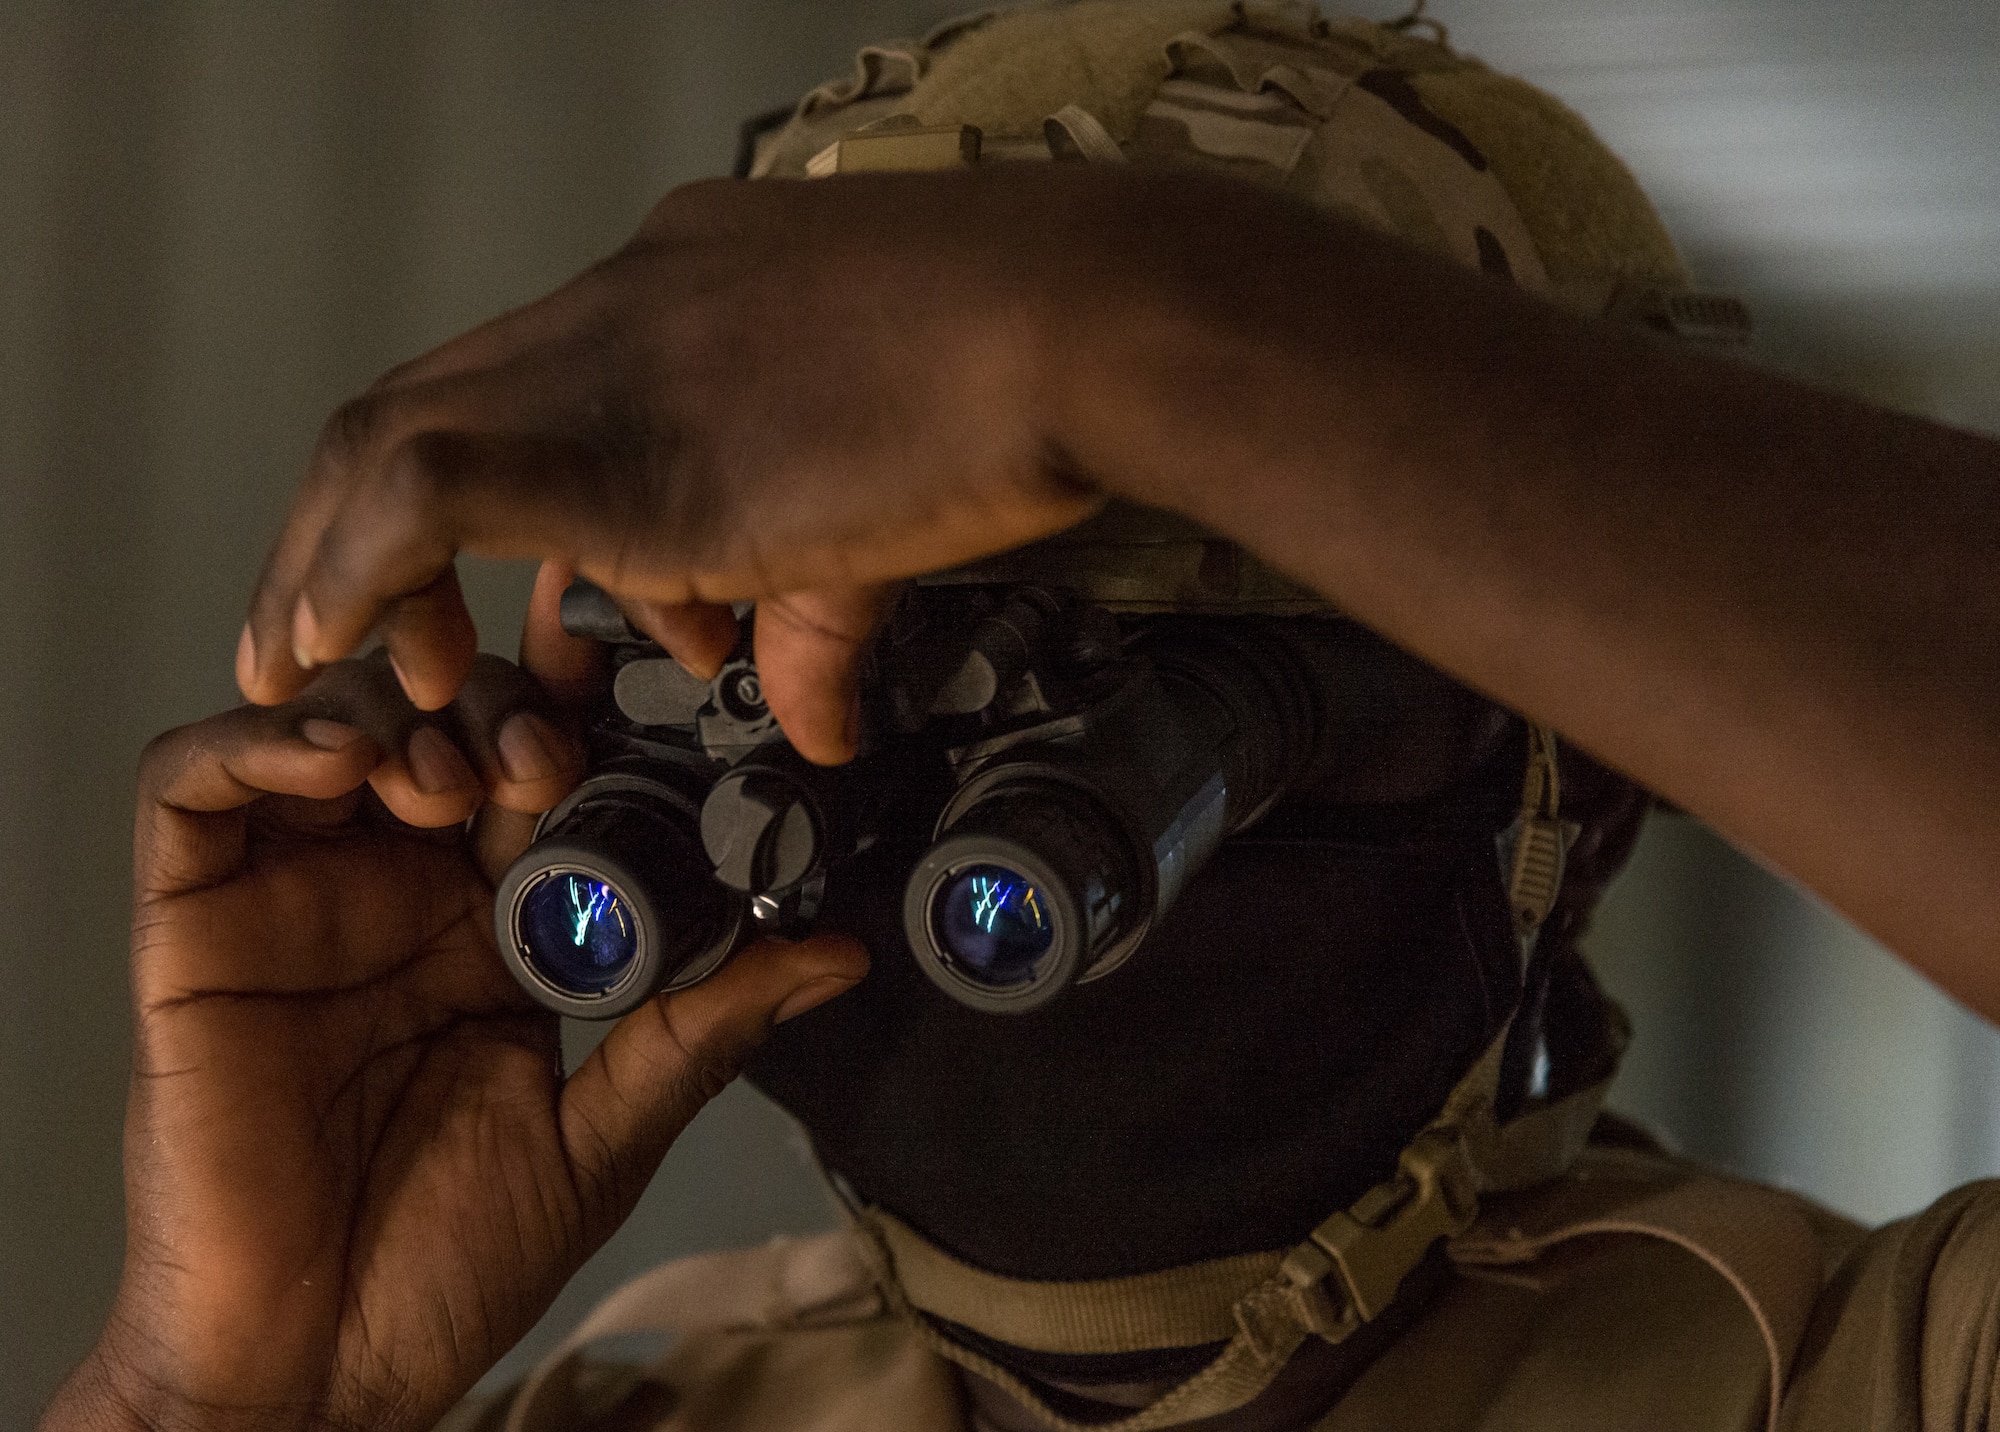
{"type": "Point", "coordinates": [1181, 1307]}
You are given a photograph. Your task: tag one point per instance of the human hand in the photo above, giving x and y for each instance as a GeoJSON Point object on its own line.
{"type": "Point", "coordinates": [355, 1174]}
{"type": "Point", "coordinates": [781, 392]}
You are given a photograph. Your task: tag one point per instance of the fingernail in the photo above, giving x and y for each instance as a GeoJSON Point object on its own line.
{"type": "Point", "coordinates": [527, 748]}
{"type": "Point", "coordinates": [402, 680]}
{"type": "Point", "coordinates": [246, 659]}
{"type": "Point", "coordinates": [305, 634]}
{"type": "Point", "coordinates": [811, 995]}
{"type": "Point", "coordinates": [435, 764]}
{"type": "Point", "coordinates": [329, 735]}
{"type": "Point", "coordinates": [701, 665]}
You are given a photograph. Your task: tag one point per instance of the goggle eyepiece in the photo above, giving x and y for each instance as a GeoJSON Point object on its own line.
{"type": "Point", "coordinates": [1025, 892]}
{"type": "Point", "coordinates": [615, 901]}
{"type": "Point", "coordinates": [993, 923]}
{"type": "Point", "coordinates": [580, 932]}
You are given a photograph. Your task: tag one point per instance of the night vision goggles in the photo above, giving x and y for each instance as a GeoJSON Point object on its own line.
{"type": "Point", "coordinates": [1078, 725]}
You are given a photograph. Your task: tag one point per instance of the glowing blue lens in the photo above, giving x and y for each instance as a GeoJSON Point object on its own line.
{"type": "Point", "coordinates": [578, 932]}
{"type": "Point", "coordinates": [994, 924]}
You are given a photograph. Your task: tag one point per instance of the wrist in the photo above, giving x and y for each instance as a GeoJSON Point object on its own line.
{"type": "Point", "coordinates": [101, 1395]}
{"type": "Point", "coordinates": [108, 1392]}
{"type": "Point", "coordinates": [1176, 364]}
{"type": "Point", "coordinates": [1103, 311]}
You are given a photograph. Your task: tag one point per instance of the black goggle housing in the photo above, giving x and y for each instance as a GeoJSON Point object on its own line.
{"type": "Point", "coordinates": [1074, 766]}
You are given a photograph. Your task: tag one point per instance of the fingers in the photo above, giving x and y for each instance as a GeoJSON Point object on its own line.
{"type": "Point", "coordinates": [380, 516]}
{"type": "Point", "coordinates": [402, 479]}
{"type": "Point", "coordinates": [572, 669]}
{"type": "Point", "coordinates": [808, 648]}
{"type": "Point", "coordinates": [431, 642]}
{"type": "Point", "coordinates": [195, 781]}
{"type": "Point", "coordinates": [502, 743]}
{"type": "Point", "coordinates": [665, 1060]}
{"type": "Point", "coordinates": [525, 756]}
{"type": "Point", "coordinates": [268, 667]}
{"type": "Point", "coordinates": [390, 543]}
{"type": "Point", "coordinates": [699, 635]}
{"type": "Point", "coordinates": [421, 773]}
{"type": "Point", "coordinates": [231, 759]}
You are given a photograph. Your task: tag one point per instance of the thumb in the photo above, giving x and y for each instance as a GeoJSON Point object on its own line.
{"type": "Point", "coordinates": [665, 1060]}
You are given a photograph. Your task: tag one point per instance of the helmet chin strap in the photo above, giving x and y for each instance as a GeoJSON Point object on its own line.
{"type": "Point", "coordinates": [1263, 1306]}
{"type": "Point", "coordinates": [1534, 847]}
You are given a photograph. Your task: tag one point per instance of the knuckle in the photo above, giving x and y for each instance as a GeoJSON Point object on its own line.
{"type": "Point", "coordinates": [420, 469]}
{"type": "Point", "coordinates": [350, 431]}
{"type": "Point", "coordinates": [700, 1070]}
{"type": "Point", "coordinates": [380, 438]}
{"type": "Point", "coordinates": [675, 212]}
{"type": "Point", "coordinates": [157, 760]}
{"type": "Point", "coordinates": [699, 1082]}
{"type": "Point", "coordinates": [400, 374]}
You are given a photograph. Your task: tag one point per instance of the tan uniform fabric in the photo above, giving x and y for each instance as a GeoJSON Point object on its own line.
{"type": "Point", "coordinates": [1907, 1336]}
{"type": "Point", "coordinates": [1635, 1292]}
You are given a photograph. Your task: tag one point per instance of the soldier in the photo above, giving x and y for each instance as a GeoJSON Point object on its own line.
{"type": "Point", "coordinates": [1330, 1156]}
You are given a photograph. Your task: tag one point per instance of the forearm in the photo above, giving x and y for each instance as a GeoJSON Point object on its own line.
{"type": "Point", "coordinates": [1773, 605]}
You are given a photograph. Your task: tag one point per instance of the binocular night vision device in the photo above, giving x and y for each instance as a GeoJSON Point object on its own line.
{"type": "Point", "coordinates": [1073, 766]}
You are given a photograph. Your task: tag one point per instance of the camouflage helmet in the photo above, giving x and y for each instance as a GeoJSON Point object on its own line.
{"type": "Point", "coordinates": [1375, 122]}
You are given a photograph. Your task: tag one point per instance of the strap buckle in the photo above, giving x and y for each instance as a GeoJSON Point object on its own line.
{"type": "Point", "coordinates": [1374, 1245]}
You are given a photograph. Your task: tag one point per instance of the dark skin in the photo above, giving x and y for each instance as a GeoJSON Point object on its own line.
{"type": "Point", "coordinates": [1772, 605]}
{"type": "Point", "coordinates": [349, 1132]}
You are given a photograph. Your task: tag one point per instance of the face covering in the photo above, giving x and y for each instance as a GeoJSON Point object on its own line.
{"type": "Point", "coordinates": [1258, 1063]}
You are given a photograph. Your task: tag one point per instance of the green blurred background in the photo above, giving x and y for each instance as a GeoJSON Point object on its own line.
{"type": "Point", "coordinates": [219, 219]}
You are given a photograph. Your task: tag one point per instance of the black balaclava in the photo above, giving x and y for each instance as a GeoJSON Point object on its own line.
{"type": "Point", "coordinates": [1256, 1065]}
